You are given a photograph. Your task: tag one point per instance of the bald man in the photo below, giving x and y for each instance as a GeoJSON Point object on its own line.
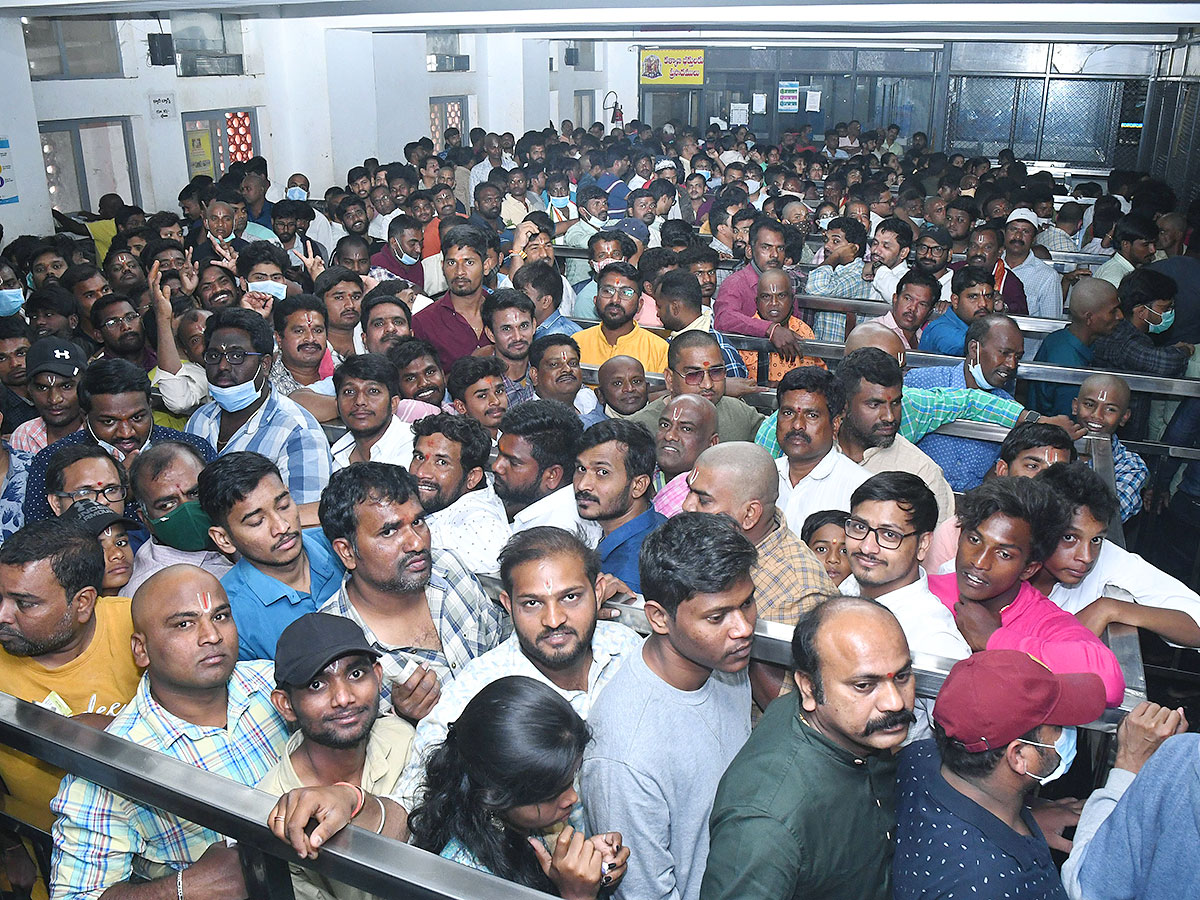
{"type": "Point", "coordinates": [1172, 229]}
{"type": "Point", "coordinates": [1095, 312]}
{"type": "Point", "coordinates": [185, 639]}
{"type": "Point", "coordinates": [926, 410]}
{"type": "Point", "coordinates": [686, 426]}
{"type": "Point", "coordinates": [621, 385]}
{"type": "Point", "coordinates": [829, 746]}
{"type": "Point", "coordinates": [775, 303]}
{"type": "Point", "coordinates": [739, 479]}
{"type": "Point", "coordinates": [1102, 406]}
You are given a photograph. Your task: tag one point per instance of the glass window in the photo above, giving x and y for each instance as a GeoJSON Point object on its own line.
{"type": "Point", "coordinates": [1079, 124]}
{"type": "Point", "coordinates": [997, 57]}
{"type": "Point", "coordinates": [207, 44]}
{"type": "Point", "coordinates": [447, 112]}
{"type": "Point", "coordinates": [214, 139]}
{"type": "Point", "coordinates": [86, 159]}
{"type": "Point", "coordinates": [906, 101]}
{"type": "Point", "coordinates": [84, 47]}
{"type": "Point", "coordinates": [585, 108]}
{"type": "Point", "coordinates": [1102, 59]}
{"type": "Point", "coordinates": [981, 115]}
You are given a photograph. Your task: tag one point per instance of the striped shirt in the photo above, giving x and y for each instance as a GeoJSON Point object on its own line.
{"type": "Point", "coordinates": [841, 281]}
{"type": "Point", "coordinates": [102, 838]}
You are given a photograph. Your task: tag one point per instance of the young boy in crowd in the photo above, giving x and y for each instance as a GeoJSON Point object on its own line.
{"type": "Point", "coordinates": [825, 534]}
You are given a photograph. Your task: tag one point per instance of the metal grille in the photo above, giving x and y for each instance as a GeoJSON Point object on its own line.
{"type": "Point", "coordinates": [446, 112]}
{"type": "Point", "coordinates": [239, 136]}
{"type": "Point", "coordinates": [1078, 124]}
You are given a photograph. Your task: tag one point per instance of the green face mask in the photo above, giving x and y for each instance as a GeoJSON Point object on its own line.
{"type": "Point", "coordinates": [184, 528]}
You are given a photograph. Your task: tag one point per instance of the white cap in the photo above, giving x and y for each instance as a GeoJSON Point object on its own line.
{"type": "Point", "coordinates": [1022, 215]}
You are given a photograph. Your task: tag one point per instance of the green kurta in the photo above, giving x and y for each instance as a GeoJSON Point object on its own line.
{"type": "Point", "coordinates": [798, 816]}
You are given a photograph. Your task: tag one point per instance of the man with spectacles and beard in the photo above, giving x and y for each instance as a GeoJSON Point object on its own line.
{"type": "Point", "coordinates": [449, 462]}
{"type": "Point", "coordinates": [328, 681]}
{"type": "Point", "coordinates": [618, 301]}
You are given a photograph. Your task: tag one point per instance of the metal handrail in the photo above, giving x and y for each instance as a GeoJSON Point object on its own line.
{"type": "Point", "coordinates": [354, 856]}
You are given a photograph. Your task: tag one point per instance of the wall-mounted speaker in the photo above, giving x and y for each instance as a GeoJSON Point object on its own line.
{"type": "Point", "coordinates": [162, 49]}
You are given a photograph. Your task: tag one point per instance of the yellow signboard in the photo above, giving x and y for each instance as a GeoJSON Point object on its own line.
{"type": "Point", "coordinates": [200, 154]}
{"type": "Point", "coordinates": [671, 67]}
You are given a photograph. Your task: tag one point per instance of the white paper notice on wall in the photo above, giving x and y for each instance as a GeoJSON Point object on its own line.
{"type": "Point", "coordinates": [760, 104]}
{"type": "Point", "coordinates": [739, 114]}
{"type": "Point", "coordinates": [812, 101]}
{"type": "Point", "coordinates": [8, 178]}
{"type": "Point", "coordinates": [162, 107]}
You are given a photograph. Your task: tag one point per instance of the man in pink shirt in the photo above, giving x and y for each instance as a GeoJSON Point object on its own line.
{"type": "Point", "coordinates": [1009, 526]}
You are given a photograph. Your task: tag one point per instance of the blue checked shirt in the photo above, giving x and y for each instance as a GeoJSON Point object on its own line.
{"type": "Point", "coordinates": [965, 461]}
{"type": "Point", "coordinates": [12, 492]}
{"type": "Point", "coordinates": [282, 431]}
{"type": "Point", "coordinates": [468, 624]}
{"type": "Point", "coordinates": [1131, 474]}
{"type": "Point", "coordinates": [519, 391]}
{"type": "Point", "coordinates": [102, 838]}
{"type": "Point", "coordinates": [36, 505]}
{"type": "Point", "coordinates": [844, 281]}
{"type": "Point", "coordinates": [923, 411]}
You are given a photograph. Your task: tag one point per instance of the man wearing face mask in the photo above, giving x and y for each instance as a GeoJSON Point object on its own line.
{"type": "Point", "coordinates": [402, 255]}
{"type": "Point", "coordinates": [114, 395]}
{"type": "Point", "coordinates": [1147, 299]}
{"type": "Point", "coordinates": [165, 484]}
{"type": "Point", "coordinates": [247, 414]}
{"type": "Point", "coordinates": [592, 203]}
{"type": "Point", "coordinates": [604, 248]}
{"type": "Point", "coordinates": [1004, 724]}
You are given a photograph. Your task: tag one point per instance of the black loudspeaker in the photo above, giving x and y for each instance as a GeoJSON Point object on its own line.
{"type": "Point", "coordinates": [571, 56]}
{"type": "Point", "coordinates": [162, 49]}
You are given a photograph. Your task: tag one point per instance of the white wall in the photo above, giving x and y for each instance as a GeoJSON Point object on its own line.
{"type": "Point", "coordinates": [18, 123]}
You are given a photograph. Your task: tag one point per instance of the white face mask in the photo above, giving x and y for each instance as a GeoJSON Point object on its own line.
{"type": "Point", "coordinates": [276, 289]}
{"type": "Point", "coordinates": [753, 186]}
{"type": "Point", "coordinates": [824, 223]}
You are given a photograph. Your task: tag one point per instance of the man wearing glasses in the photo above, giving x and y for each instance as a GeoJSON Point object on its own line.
{"type": "Point", "coordinates": [246, 413]}
{"type": "Point", "coordinates": [695, 365]}
{"type": "Point", "coordinates": [114, 395]}
{"type": "Point", "coordinates": [85, 472]}
{"type": "Point", "coordinates": [618, 300]}
{"type": "Point", "coordinates": [122, 332]}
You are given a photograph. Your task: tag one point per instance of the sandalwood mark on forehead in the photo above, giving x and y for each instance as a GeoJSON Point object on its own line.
{"type": "Point", "coordinates": [204, 598]}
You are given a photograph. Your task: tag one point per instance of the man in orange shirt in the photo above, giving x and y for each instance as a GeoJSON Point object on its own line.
{"type": "Point", "coordinates": [775, 301]}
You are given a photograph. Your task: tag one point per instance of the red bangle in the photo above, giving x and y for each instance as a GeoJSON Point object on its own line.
{"type": "Point", "coordinates": [771, 330]}
{"type": "Point", "coordinates": [362, 796]}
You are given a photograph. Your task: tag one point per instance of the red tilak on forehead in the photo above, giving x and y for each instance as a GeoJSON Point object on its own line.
{"type": "Point", "coordinates": [205, 600]}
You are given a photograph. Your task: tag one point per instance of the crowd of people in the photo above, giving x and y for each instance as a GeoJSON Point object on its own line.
{"type": "Point", "coordinates": [261, 458]}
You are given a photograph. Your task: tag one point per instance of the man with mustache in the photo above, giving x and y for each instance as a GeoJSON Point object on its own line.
{"type": "Point", "coordinates": [993, 350]}
{"type": "Point", "coordinates": [1043, 285]}
{"type": "Point", "coordinates": [300, 336]}
{"type": "Point", "coordinates": [420, 609]}
{"type": "Point", "coordinates": [871, 389]}
{"type": "Point", "coordinates": [618, 301]}
{"type": "Point", "coordinates": [807, 808]}
{"type": "Point", "coordinates": [367, 392]}
{"type": "Point", "coordinates": [283, 572]}
{"type": "Point", "coordinates": [556, 375]}
{"type": "Point", "coordinates": [328, 680]}
{"type": "Point", "coordinates": [449, 462]}
{"type": "Point", "coordinates": [972, 296]}
{"type": "Point", "coordinates": [196, 703]}
{"type": "Point", "coordinates": [984, 244]}
{"type": "Point", "coordinates": [613, 471]}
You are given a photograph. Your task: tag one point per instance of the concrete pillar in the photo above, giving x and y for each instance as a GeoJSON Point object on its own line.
{"type": "Point", "coordinates": [18, 124]}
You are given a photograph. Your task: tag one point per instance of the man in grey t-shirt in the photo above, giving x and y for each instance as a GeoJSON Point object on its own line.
{"type": "Point", "coordinates": [675, 714]}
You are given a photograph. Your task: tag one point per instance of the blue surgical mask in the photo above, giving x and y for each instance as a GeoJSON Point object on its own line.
{"type": "Point", "coordinates": [825, 222]}
{"type": "Point", "coordinates": [404, 257]}
{"type": "Point", "coordinates": [715, 181]}
{"type": "Point", "coordinates": [976, 371]}
{"type": "Point", "coordinates": [236, 398]}
{"type": "Point", "coordinates": [1065, 748]}
{"type": "Point", "coordinates": [276, 289]}
{"type": "Point", "coordinates": [297, 193]}
{"type": "Point", "coordinates": [11, 301]}
{"type": "Point", "coordinates": [706, 175]}
{"type": "Point", "coordinates": [1165, 320]}
{"type": "Point", "coordinates": [560, 202]}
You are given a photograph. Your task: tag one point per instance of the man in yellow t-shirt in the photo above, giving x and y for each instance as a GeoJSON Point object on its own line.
{"type": "Point", "coordinates": [618, 299]}
{"type": "Point", "coordinates": [65, 648]}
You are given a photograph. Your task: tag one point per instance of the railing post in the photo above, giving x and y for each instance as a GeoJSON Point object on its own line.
{"type": "Point", "coordinates": [267, 877]}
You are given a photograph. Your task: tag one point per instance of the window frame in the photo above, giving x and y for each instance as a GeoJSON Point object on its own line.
{"type": "Point", "coordinates": [65, 74]}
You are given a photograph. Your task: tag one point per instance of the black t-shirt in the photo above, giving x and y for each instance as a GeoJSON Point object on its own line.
{"type": "Point", "coordinates": [16, 410]}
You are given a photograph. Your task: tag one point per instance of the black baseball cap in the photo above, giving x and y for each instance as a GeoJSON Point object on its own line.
{"type": "Point", "coordinates": [53, 354]}
{"type": "Point", "coordinates": [95, 518]}
{"type": "Point", "coordinates": [312, 642]}
{"type": "Point", "coordinates": [938, 233]}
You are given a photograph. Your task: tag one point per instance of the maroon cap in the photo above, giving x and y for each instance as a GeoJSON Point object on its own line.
{"type": "Point", "coordinates": [993, 697]}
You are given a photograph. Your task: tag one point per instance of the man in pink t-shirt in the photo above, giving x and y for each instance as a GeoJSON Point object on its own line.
{"type": "Point", "coordinates": [1009, 526]}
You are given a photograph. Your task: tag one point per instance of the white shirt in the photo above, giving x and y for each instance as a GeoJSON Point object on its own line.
{"type": "Point", "coordinates": [611, 645]}
{"type": "Point", "coordinates": [394, 446]}
{"type": "Point", "coordinates": [183, 391]}
{"type": "Point", "coordinates": [928, 625]}
{"type": "Point", "coordinates": [828, 486]}
{"type": "Point", "coordinates": [558, 509]}
{"type": "Point", "coordinates": [1043, 287]}
{"type": "Point", "coordinates": [883, 286]}
{"type": "Point", "coordinates": [1118, 567]}
{"type": "Point", "coordinates": [475, 527]}
{"type": "Point", "coordinates": [379, 225]}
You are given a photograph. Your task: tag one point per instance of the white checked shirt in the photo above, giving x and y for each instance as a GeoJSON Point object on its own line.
{"type": "Point", "coordinates": [475, 527]}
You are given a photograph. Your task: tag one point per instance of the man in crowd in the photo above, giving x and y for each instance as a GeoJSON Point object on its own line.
{"type": "Point", "coordinates": [983, 252]}
{"type": "Point", "coordinates": [421, 376]}
{"type": "Point", "coordinates": [686, 427]}
{"type": "Point", "coordinates": [1102, 407]}
{"type": "Point", "coordinates": [115, 397]}
{"type": "Point", "coordinates": [53, 368]}
{"type": "Point", "coordinates": [917, 293]}
{"type": "Point", "coordinates": [972, 296]}
{"type": "Point", "coordinates": [1009, 527]}
{"type": "Point", "coordinates": [367, 388]}
{"type": "Point", "coordinates": [300, 336]}
{"type": "Point", "coordinates": [420, 609]}
{"type": "Point", "coordinates": [739, 480]}
{"type": "Point", "coordinates": [1043, 286]}
{"type": "Point", "coordinates": [195, 703]}
{"type": "Point", "coordinates": [686, 688]}
{"type": "Point", "coordinates": [476, 387]}
{"type": "Point", "coordinates": [891, 243]}
{"type": "Point", "coordinates": [618, 300]}
{"type": "Point", "coordinates": [593, 214]}
{"type": "Point", "coordinates": [612, 481]}
{"type": "Point", "coordinates": [870, 387]}
{"type": "Point", "coordinates": [16, 404]}
{"type": "Point", "coordinates": [1004, 724]}
{"type": "Point", "coordinates": [535, 465]}
{"type": "Point", "coordinates": [508, 321]}
{"type": "Point", "coordinates": [678, 300]}
{"type": "Point", "coordinates": [402, 255]}
{"type": "Point", "coordinates": [695, 365]}
{"type": "Point", "coordinates": [931, 254]}
{"type": "Point", "coordinates": [165, 483]}
{"type": "Point", "coordinates": [246, 413]}
{"type": "Point", "coordinates": [542, 284]}
{"type": "Point", "coordinates": [1133, 240]}
{"type": "Point", "coordinates": [1095, 311]}
{"type": "Point", "coordinates": [993, 349]}
{"type": "Point", "coordinates": [121, 332]}
{"type": "Point", "coordinates": [1061, 236]}
{"type": "Point", "coordinates": [556, 374]}
{"type": "Point", "coordinates": [814, 474]}
{"type": "Point", "coordinates": [829, 745]}
{"type": "Point", "coordinates": [454, 324]}
{"type": "Point", "coordinates": [385, 320]}
{"type": "Point", "coordinates": [341, 290]}
{"type": "Point", "coordinates": [839, 275]}
{"type": "Point", "coordinates": [622, 387]}
{"type": "Point", "coordinates": [282, 572]}
{"type": "Point", "coordinates": [735, 307]}
{"type": "Point", "coordinates": [449, 463]}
